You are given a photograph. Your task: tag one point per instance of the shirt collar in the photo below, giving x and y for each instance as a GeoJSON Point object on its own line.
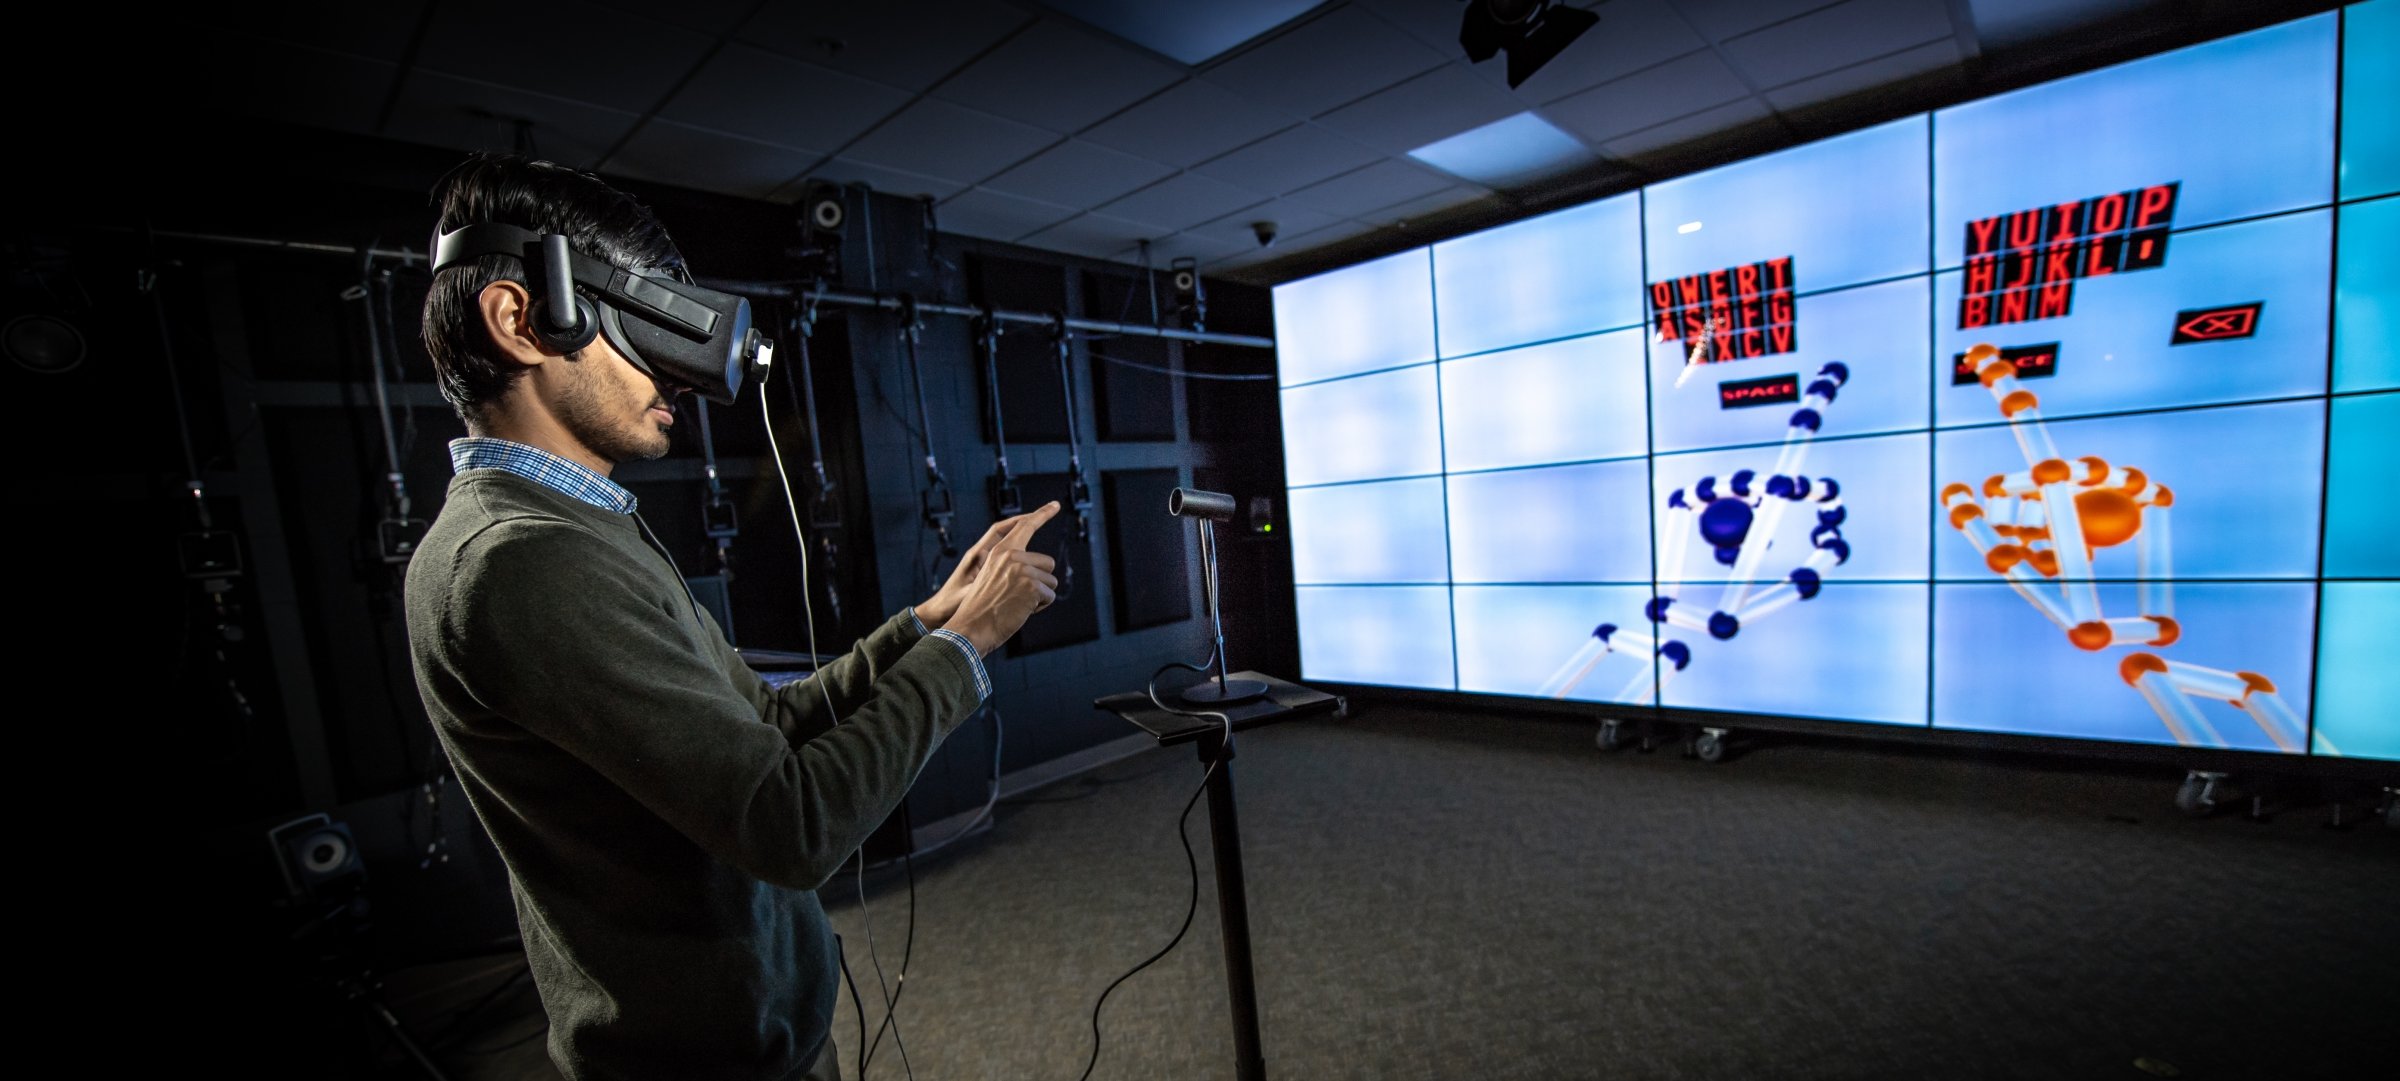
{"type": "Point", "coordinates": [543, 468]}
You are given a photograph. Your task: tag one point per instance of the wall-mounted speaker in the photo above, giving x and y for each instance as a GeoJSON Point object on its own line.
{"type": "Point", "coordinates": [1191, 297]}
{"type": "Point", "coordinates": [824, 212]}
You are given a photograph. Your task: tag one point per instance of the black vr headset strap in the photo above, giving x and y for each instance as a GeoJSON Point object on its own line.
{"type": "Point", "coordinates": [557, 268]}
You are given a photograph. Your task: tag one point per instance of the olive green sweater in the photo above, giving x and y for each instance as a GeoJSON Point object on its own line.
{"type": "Point", "coordinates": [664, 815]}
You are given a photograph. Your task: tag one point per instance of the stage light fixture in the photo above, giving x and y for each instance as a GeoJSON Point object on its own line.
{"type": "Point", "coordinates": [1532, 32]}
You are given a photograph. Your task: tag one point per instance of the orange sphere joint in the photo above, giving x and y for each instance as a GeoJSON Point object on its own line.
{"type": "Point", "coordinates": [2110, 517]}
{"type": "Point", "coordinates": [2164, 498]}
{"type": "Point", "coordinates": [1995, 372]}
{"type": "Point", "coordinates": [2135, 481]}
{"type": "Point", "coordinates": [2017, 402]}
{"type": "Point", "coordinates": [2051, 471]}
{"type": "Point", "coordinates": [1981, 351]}
{"type": "Point", "coordinates": [2168, 631]}
{"type": "Point", "coordinates": [1963, 513]}
{"type": "Point", "coordinates": [2258, 684]}
{"type": "Point", "coordinates": [2091, 636]}
{"type": "Point", "coordinates": [2045, 561]}
{"type": "Point", "coordinates": [1955, 489]}
{"type": "Point", "coordinates": [2002, 557]}
{"type": "Point", "coordinates": [1995, 486]}
{"type": "Point", "coordinates": [2095, 470]}
{"type": "Point", "coordinates": [2134, 667]}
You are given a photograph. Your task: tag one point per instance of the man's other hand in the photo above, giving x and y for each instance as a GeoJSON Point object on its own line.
{"type": "Point", "coordinates": [1010, 584]}
{"type": "Point", "coordinates": [937, 611]}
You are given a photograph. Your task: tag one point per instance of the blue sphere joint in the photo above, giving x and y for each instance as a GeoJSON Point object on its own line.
{"type": "Point", "coordinates": [1741, 482]}
{"type": "Point", "coordinates": [1723, 626]}
{"type": "Point", "coordinates": [1706, 490]}
{"type": "Point", "coordinates": [1824, 388]}
{"type": "Point", "coordinates": [1657, 609]}
{"type": "Point", "coordinates": [1726, 556]}
{"type": "Point", "coordinates": [1676, 499]}
{"type": "Point", "coordinates": [1726, 523]}
{"type": "Point", "coordinates": [1807, 582]}
{"type": "Point", "coordinates": [1833, 490]}
{"type": "Point", "coordinates": [1839, 371]}
{"type": "Point", "coordinates": [1780, 487]}
{"type": "Point", "coordinates": [1817, 536]}
{"type": "Point", "coordinates": [1603, 631]}
{"type": "Point", "coordinates": [1677, 652]}
{"type": "Point", "coordinates": [1840, 549]}
{"type": "Point", "coordinates": [1833, 518]}
{"type": "Point", "coordinates": [1807, 418]}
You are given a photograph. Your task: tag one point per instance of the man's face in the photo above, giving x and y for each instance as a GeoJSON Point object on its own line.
{"type": "Point", "coordinates": [605, 402]}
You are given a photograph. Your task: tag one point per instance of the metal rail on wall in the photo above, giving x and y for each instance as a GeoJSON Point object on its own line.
{"type": "Point", "coordinates": [786, 291]}
{"type": "Point", "coordinates": [782, 291]}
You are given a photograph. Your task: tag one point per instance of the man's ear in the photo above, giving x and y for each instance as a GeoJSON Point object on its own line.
{"type": "Point", "coordinates": [507, 310]}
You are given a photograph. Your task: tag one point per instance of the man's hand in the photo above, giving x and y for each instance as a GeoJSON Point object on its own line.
{"type": "Point", "coordinates": [1010, 583]}
{"type": "Point", "coordinates": [937, 611]}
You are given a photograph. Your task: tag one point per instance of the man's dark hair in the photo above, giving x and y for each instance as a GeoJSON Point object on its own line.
{"type": "Point", "coordinates": [596, 219]}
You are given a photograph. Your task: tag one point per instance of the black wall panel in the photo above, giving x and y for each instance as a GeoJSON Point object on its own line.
{"type": "Point", "coordinates": [1146, 547]}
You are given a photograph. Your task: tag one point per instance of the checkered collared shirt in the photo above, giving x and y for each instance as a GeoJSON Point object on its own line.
{"type": "Point", "coordinates": [541, 467]}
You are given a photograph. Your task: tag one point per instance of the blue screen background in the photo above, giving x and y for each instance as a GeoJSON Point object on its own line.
{"type": "Point", "coordinates": [1480, 434]}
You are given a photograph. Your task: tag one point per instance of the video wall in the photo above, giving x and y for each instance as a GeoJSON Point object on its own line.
{"type": "Point", "coordinates": [2064, 412]}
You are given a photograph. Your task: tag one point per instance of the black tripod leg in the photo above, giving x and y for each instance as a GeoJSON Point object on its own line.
{"type": "Point", "coordinates": [1233, 914]}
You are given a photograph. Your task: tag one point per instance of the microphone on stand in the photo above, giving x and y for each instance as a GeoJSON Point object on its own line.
{"type": "Point", "coordinates": [1209, 508]}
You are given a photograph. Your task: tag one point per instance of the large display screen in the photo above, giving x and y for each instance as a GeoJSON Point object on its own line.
{"type": "Point", "coordinates": [2062, 412]}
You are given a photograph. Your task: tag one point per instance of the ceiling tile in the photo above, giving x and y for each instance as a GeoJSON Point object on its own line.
{"type": "Point", "coordinates": [1372, 188]}
{"type": "Point", "coordinates": [759, 95]}
{"type": "Point", "coordinates": [666, 152]}
{"type": "Point", "coordinates": [1342, 229]}
{"type": "Point", "coordinates": [1721, 19]}
{"type": "Point", "coordinates": [1291, 219]}
{"type": "Point", "coordinates": [467, 115]}
{"type": "Point", "coordinates": [1188, 123]}
{"type": "Point", "coordinates": [381, 31]}
{"type": "Point", "coordinates": [1415, 211]}
{"type": "Point", "coordinates": [937, 138]}
{"type": "Point", "coordinates": [1077, 174]}
{"type": "Point", "coordinates": [1058, 77]}
{"type": "Point", "coordinates": [1679, 87]}
{"type": "Point", "coordinates": [588, 52]}
{"type": "Point", "coordinates": [1180, 202]}
{"type": "Point", "coordinates": [1326, 62]}
{"type": "Point", "coordinates": [715, 17]}
{"type": "Point", "coordinates": [1434, 22]}
{"type": "Point", "coordinates": [1658, 143]}
{"type": "Point", "coordinates": [892, 181]}
{"type": "Point", "coordinates": [910, 44]}
{"type": "Point", "coordinates": [1632, 35]}
{"type": "Point", "coordinates": [1200, 247]}
{"type": "Point", "coordinates": [295, 83]}
{"type": "Point", "coordinates": [1837, 37]}
{"type": "Point", "coordinates": [1436, 105]}
{"type": "Point", "coordinates": [1289, 159]}
{"type": "Point", "coordinates": [1095, 235]}
{"type": "Point", "coordinates": [999, 217]}
{"type": "Point", "coordinates": [2002, 23]}
{"type": "Point", "coordinates": [1883, 71]}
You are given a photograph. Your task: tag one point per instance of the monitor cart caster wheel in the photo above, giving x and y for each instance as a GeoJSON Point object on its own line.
{"type": "Point", "coordinates": [1612, 735]}
{"type": "Point", "coordinates": [2198, 796]}
{"type": "Point", "coordinates": [1709, 745]}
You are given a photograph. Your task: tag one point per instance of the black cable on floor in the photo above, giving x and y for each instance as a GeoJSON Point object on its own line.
{"type": "Point", "coordinates": [1191, 906]}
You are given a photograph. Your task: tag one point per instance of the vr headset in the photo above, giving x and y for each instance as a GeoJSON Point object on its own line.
{"type": "Point", "coordinates": [674, 331]}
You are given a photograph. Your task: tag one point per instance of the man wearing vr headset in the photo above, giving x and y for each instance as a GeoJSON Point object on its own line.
{"type": "Point", "coordinates": [665, 816]}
